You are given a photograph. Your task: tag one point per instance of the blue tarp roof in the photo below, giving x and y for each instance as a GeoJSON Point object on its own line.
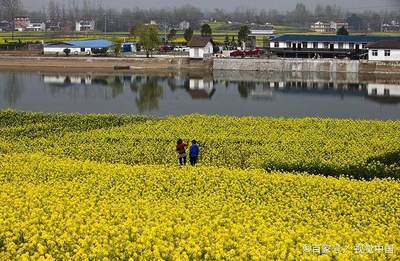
{"type": "Point", "coordinates": [100, 43]}
{"type": "Point", "coordinates": [334, 38]}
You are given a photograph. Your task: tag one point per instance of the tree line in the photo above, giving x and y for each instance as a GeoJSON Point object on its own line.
{"type": "Point", "coordinates": [124, 19]}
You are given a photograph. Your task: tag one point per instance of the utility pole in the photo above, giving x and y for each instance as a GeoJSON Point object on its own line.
{"type": "Point", "coordinates": [105, 25]}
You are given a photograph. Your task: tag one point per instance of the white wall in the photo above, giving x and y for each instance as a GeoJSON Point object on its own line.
{"type": "Point", "coordinates": [394, 55]}
{"type": "Point", "coordinates": [60, 50]}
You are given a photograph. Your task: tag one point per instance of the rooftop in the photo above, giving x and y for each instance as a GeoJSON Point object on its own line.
{"type": "Point", "coordinates": [385, 45]}
{"type": "Point", "coordinates": [199, 41]}
{"type": "Point", "coordinates": [335, 38]}
{"type": "Point", "coordinates": [100, 43]}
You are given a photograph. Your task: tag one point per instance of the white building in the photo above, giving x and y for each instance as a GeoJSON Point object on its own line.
{"type": "Point", "coordinates": [303, 46]}
{"type": "Point", "coordinates": [321, 27]}
{"type": "Point", "coordinates": [326, 27]}
{"type": "Point", "coordinates": [200, 47]}
{"type": "Point", "coordinates": [266, 31]}
{"type": "Point", "coordinates": [184, 25]}
{"type": "Point", "coordinates": [36, 27]}
{"type": "Point", "coordinates": [87, 47]}
{"type": "Point", "coordinates": [384, 51]}
{"type": "Point", "coordinates": [85, 26]}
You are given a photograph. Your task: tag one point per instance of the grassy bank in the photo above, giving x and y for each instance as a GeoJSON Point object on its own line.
{"type": "Point", "coordinates": [361, 149]}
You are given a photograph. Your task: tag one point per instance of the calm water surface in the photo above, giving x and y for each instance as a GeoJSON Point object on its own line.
{"type": "Point", "coordinates": [223, 93]}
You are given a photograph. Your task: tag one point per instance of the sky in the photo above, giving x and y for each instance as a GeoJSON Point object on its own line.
{"type": "Point", "coordinates": [282, 5]}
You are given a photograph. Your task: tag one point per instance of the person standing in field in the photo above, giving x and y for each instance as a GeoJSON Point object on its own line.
{"type": "Point", "coordinates": [181, 150]}
{"type": "Point", "coordinates": [194, 153]}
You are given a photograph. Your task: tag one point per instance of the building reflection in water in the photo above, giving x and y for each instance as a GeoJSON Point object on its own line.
{"type": "Point", "coordinates": [201, 88]}
{"type": "Point", "coordinates": [149, 90]}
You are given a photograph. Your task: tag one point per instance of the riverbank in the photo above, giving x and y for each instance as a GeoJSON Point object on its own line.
{"type": "Point", "coordinates": [103, 63]}
{"type": "Point", "coordinates": [110, 64]}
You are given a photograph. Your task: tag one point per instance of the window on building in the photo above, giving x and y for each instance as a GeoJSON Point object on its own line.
{"type": "Point", "coordinates": [276, 44]}
{"type": "Point", "coordinates": [374, 52]}
{"type": "Point", "coordinates": [386, 92]}
{"type": "Point", "coordinates": [289, 44]}
{"type": "Point", "coordinates": [305, 45]}
{"type": "Point", "coordinates": [326, 45]}
{"type": "Point", "coordinates": [351, 45]}
{"type": "Point", "coordinates": [341, 45]}
{"type": "Point", "coordinates": [387, 52]}
{"type": "Point", "coordinates": [374, 91]}
{"type": "Point", "coordinates": [82, 50]}
{"type": "Point", "coordinates": [315, 45]}
{"type": "Point", "coordinates": [364, 45]}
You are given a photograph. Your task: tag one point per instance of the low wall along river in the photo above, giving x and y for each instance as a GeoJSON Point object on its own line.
{"type": "Point", "coordinates": [182, 63]}
{"type": "Point", "coordinates": [307, 65]}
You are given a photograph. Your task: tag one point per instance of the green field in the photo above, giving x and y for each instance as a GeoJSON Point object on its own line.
{"type": "Point", "coordinates": [220, 30]}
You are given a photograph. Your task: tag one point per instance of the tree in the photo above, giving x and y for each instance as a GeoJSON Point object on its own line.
{"type": "Point", "coordinates": [243, 35]}
{"type": "Point", "coordinates": [206, 30]}
{"type": "Point", "coordinates": [10, 9]}
{"type": "Point", "coordinates": [188, 34]}
{"type": "Point", "coordinates": [226, 41]}
{"type": "Point", "coordinates": [342, 31]}
{"type": "Point", "coordinates": [149, 39]}
{"type": "Point", "coordinates": [300, 14]}
{"type": "Point", "coordinates": [171, 35]}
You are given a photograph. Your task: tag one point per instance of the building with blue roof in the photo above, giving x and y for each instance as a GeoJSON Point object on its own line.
{"type": "Point", "coordinates": [85, 47]}
{"type": "Point", "coordinates": [329, 46]}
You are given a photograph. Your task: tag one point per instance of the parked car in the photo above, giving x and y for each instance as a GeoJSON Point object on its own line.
{"type": "Point", "coordinates": [254, 52]}
{"type": "Point", "coordinates": [166, 48]}
{"type": "Point", "coordinates": [238, 53]}
{"type": "Point", "coordinates": [181, 49]}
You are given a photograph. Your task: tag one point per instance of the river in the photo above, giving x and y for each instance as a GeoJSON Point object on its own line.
{"type": "Point", "coordinates": [220, 93]}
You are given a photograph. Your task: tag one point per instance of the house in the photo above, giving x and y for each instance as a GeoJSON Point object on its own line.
{"type": "Point", "coordinates": [200, 47]}
{"type": "Point", "coordinates": [321, 27]}
{"type": "Point", "coordinates": [393, 26]}
{"type": "Point", "coordinates": [335, 26]}
{"type": "Point", "coordinates": [36, 27]}
{"type": "Point", "coordinates": [261, 34]}
{"type": "Point", "coordinates": [327, 27]}
{"type": "Point", "coordinates": [384, 51]}
{"type": "Point", "coordinates": [21, 23]}
{"type": "Point", "coordinates": [87, 47]}
{"type": "Point", "coordinates": [184, 25]}
{"type": "Point", "coordinates": [52, 26]}
{"type": "Point", "coordinates": [85, 26]}
{"type": "Point", "coordinates": [324, 46]}
{"type": "Point", "coordinates": [5, 26]}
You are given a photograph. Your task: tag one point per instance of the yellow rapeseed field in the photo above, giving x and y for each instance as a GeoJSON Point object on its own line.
{"type": "Point", "coordinates": [89, 187]}
{"type": "Point", "coordinates": [68, 209]}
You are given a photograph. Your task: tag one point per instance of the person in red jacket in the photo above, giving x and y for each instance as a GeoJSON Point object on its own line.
{"type": "Point", "coordinates": [181, 150]}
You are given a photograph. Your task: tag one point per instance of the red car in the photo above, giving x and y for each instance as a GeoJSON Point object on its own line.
{"type": "Point", "coordinates": [238, 53]}
{"type": "Point", "coordinates": [254, 52]}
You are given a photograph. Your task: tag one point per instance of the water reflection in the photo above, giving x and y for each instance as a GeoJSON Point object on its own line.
{"type": "Point", "coordinates": [232, 93]}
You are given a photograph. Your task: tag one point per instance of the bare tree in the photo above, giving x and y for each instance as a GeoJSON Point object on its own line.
{"type": "Point", "coordinates": [11, 9]}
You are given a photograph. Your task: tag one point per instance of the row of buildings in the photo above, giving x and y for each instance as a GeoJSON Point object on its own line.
{"type": "Point", "coordinates": [331, 27]}
{"type": "Point", "coordinates": [24, 24]}
{"type": "Point", "coordinates": [377, 48]}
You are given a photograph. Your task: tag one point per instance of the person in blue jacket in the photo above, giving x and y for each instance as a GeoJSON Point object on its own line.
{"type": "Point", "coordinates": [194, 153]}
